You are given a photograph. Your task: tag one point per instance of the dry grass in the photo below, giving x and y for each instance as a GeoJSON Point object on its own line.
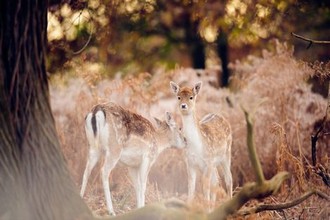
{"type": "Point", "coordinates": [283, 126]}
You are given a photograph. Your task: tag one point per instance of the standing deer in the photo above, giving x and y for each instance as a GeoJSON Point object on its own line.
{"type": "Point", "coordinates": [208, 143]}
{"type": "Point", "coordinates": [129, 138]}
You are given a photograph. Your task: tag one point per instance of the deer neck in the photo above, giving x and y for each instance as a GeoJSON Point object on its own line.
{"type": "Point", "coordinates": [192, 133]}
{"type": "Point", "coordinates": [162, 141]}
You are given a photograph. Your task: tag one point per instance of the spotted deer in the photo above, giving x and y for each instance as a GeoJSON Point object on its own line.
{"type": "Point", "coordinates": [126, 137]}
{"type": "Point", "coordinates": [208, 143]}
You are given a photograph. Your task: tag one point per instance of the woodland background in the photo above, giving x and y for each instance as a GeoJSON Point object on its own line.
{"type": "Point", "coordinates": [243, 51]}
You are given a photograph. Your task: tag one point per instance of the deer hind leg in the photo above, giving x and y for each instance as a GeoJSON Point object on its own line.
{"type": "Point", "coordinates": [135, 177]}
{"type": "Point", "coordinates": [227, 175]}
{"type": "Point", "coordinates": [109, 163]}
{"type": "Point", "coordinates": [206, 182]}
{"type": "Point", "coordinates": [215, 181]}
{"type": "Point", "coordinates": [93, 158]}
{"type": "Point", "coordinates": [144, 171]}
{"type": "Point", "coordinates": [139, 177]}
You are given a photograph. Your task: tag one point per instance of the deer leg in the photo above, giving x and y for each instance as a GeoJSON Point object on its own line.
{"type": "Point", "coordinates": [206, 182]}
{"type": "Point", "coordinates": [143, 171]}
{"type": "Point", "coordinates": [135, 177]}
{"type": "Point", "coordinates": [109, 163]}
{"type": "Point", "coordinates": [191, 182]}
{"type": "Point", "coordinates": [210, 184]}
{"type": "Point", "coordinates": [93, 158]}
{"type": "Point", "coordinates": [228, 177]}
{"type": "Point", "coordinates": [214, 185]}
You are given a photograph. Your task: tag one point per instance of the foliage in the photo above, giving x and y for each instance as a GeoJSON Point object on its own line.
{"type": "Point", "coordinates": [143, 35]}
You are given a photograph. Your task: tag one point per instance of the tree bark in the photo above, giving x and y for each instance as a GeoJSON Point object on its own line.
{"type": "Point", "coordinates": [34, 180]}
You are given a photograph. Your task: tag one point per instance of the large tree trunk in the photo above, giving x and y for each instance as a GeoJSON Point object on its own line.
{"type": "Point", "coordinates": [34, 180]}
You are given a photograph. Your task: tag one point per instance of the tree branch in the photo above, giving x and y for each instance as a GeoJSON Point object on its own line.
{"type": "Point", "coordinates": [286, 205]}
{"type": "Point", "coordinates": [319, 169]}
{"type": "Point", "coordinates": [311, 41]}
{"type": "Point", "coordinates": [248, 192]}
{"type": "Point", "coordinates": [252, 150]}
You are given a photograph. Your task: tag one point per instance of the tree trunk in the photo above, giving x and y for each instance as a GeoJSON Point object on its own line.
{"type": "Point", "coordinates": [222, 49]}
{"type": "Point", "coordinates": [34, 180]}
{"type": "Point", "coordinates": [198, 53]}
{"type": "Point", "coordinates": [194, 42]}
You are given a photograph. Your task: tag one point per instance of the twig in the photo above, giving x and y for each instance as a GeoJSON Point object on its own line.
{"type": "Point", "coordinates": [311, 41]}
{"type": "Point", "coordinates": [286, 205]}
{"type": "Point", "coordinates": [88, 41]}
{"type": "Point", "coordinates": [321, 172]}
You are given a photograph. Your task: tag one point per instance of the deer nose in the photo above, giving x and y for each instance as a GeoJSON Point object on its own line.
{"type": "Point", "coordinates": [184, 106]}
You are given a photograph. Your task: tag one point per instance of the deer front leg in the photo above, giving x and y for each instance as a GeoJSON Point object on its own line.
{"type": "Point", "coordinates": [191, 182]}
{"type": "Point", "coordinates": [210, 184]}
{"type": "Point", "coordinates": [109, 163]}
{"type": "Point", "coordinates": [93, 158]}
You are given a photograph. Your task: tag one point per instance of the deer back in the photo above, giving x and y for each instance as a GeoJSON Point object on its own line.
{"type": "Point", "coordinates": [216, 133]}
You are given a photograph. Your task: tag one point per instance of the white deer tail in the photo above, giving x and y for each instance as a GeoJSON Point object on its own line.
{"type": "Point", "coordinates": [95, 122]}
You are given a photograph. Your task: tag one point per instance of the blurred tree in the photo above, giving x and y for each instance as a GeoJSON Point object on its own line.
{"type": "Point", "coordinates": [34, 180]}
{"type": "Point", "coordinates": [144, 34]}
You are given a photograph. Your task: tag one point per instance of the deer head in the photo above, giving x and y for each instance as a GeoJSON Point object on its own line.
{"type": "Point", "coordinates": [169, 129]}
{"type": "Point", "coordinates": [186, 97]}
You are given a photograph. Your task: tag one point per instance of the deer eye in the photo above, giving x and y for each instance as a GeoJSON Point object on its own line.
{"type": "Point", "coordinates": [191, 98]}
{"type": "Point", "coordinates": [179, 97]}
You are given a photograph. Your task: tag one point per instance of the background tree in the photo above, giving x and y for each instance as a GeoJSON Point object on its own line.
{"type": "Point", "coordinates": [134, 36]}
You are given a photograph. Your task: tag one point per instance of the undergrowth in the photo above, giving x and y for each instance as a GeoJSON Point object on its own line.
{"type": "Point", "coordinates": [284, 122]}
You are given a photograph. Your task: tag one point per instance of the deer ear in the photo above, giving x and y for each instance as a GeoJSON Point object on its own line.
{"type": "Point", "coordinates": [197, 87]}
{"type": "Point", "coordinates": [169, 119]}
{"type": "Point", "coordinates": [175, 87]}
{"type": "Point", "coordinates": [158, 122]}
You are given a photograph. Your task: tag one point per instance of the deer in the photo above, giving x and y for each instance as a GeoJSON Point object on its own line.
{"type": "Point", "coordinates": [127, 137]}
{"type": "Point", "coordinates": [208, 143]}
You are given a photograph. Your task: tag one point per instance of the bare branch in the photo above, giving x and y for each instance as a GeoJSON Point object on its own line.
{"type": "Point", "coordinates": [248, 192]}
{"type": "Point", "coordinates": [89, 37]}
{"type": "Point", "coordinates": [86, 44]}
{"type": "Point", "coordinates": [318, 168]}
{"type": "Point", "coordinates": [252, 150]}
{"type": "Point", "coordinates": [311, 41]}
{"type": "Point", "coordinates": [286, 205]}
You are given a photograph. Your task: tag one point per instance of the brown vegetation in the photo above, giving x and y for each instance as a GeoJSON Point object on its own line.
{"type": "Point", "coordinates": [283, 125]}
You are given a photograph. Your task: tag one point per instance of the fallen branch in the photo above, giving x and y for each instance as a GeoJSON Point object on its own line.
{"type": "Point", "coordinates": [248, 192]}
{"type": "Point", "coordinates": [311, 41]}
{"type": "Point", "coordinates": [281, 206]}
